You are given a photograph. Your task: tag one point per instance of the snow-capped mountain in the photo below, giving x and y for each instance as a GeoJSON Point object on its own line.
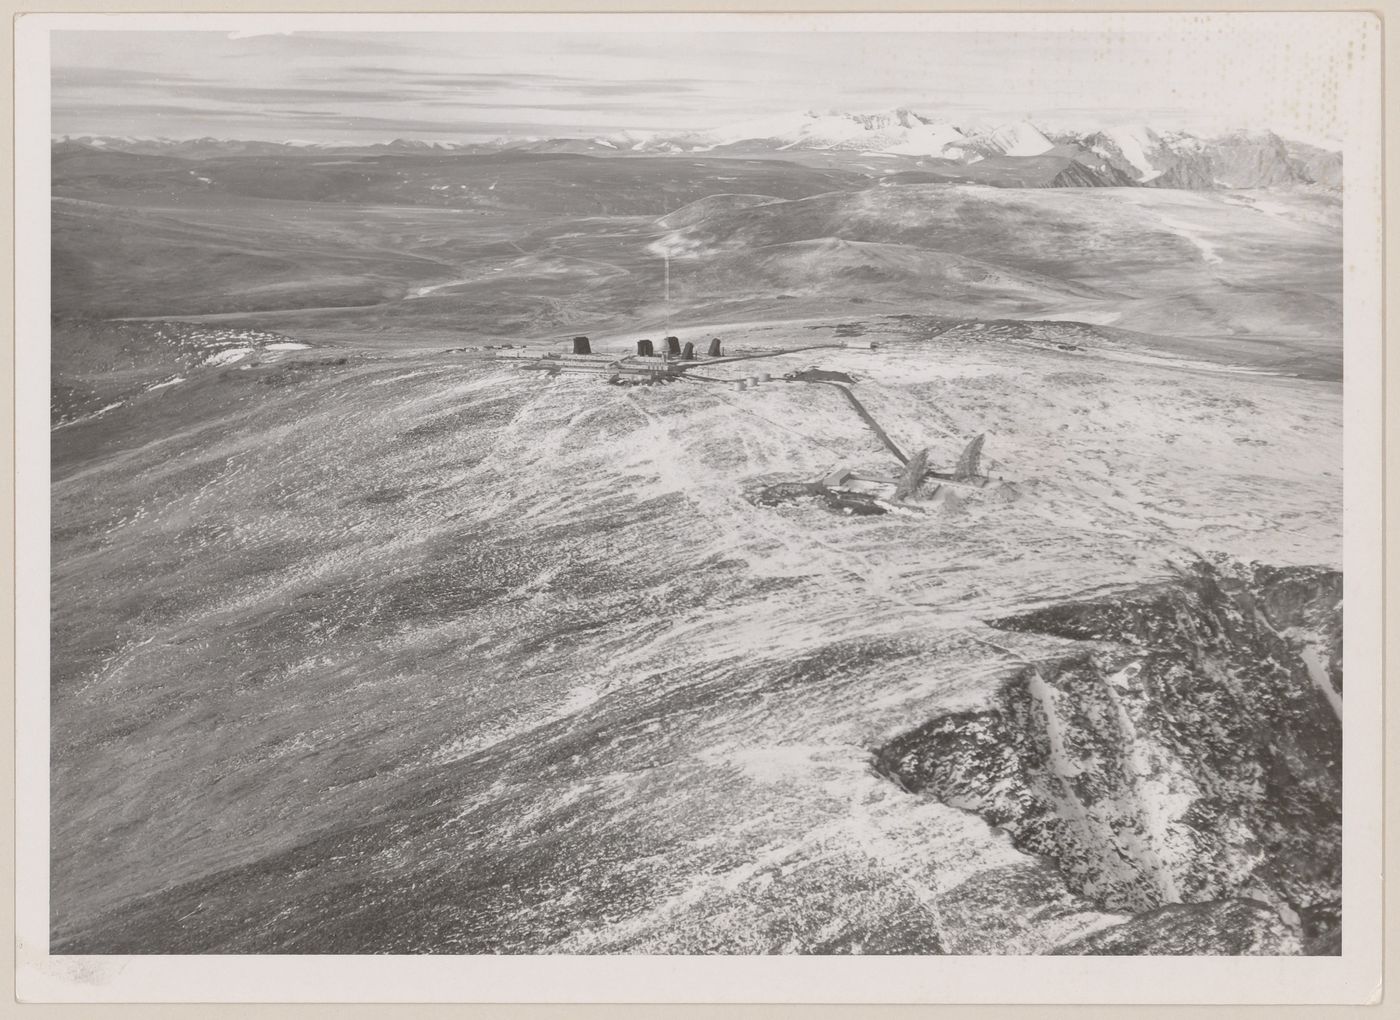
{"type": "Point", "coordinates": [894, 131]}
{"type": "Point", "coordinates": [1010, 154]}
{"type": "Point", "coordinates": [1116, 155]}
{"type": "Point", "coordinates": [898, 132]}
{"type": "Point", "coordinates": [1017, 139]}
{"type": "Point", "coordinates": [1139, 152]}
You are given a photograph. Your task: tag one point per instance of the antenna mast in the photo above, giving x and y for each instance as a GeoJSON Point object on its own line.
{"type": "Point", "coordinates": [666, 261]}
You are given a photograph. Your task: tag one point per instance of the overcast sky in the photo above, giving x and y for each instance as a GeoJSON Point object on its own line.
{"type": "Point", "coordinates": [328, 86]}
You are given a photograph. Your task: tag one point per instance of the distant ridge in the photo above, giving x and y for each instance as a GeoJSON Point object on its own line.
{"type": "Point", "coordinates": [1113, 156]}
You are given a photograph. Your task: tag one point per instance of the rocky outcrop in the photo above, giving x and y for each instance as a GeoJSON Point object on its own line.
{"type": "Point", "coordinates": [1319, 166]}
{"type": "Point", "coordinates": [1175, 159]}
{"type": "Point", "coordinates": [1245, 160]}
{"type": "Point", "coordinates": [1077, 174]}
{"type": "Point", "coordinates": [1187, 750]}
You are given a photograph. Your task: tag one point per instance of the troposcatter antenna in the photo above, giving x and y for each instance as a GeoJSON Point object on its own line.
{"type": "Point", "coordinates": [913, 476]}
{"type": "Point", "coordinates": [970, 463]}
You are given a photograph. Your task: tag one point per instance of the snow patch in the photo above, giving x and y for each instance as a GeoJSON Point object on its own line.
{"type": "Point", "coordinates": [88, 417]}
{"type": "Point", "coordinates": [1019, 139]}
{"type": "Point", "coordinates": [1318, 674]}
{"type": "Point", "coordinates": [228, 357]}
{"type": "Point", "coordinates": [1133, 143]}
{"type": "Point", "coordinates": [1185, 230]}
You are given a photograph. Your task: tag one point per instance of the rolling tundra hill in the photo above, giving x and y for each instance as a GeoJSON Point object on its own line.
{"type": "Point", "coordinates": [1158, 261]}
{"type": "Point", "coordinates": [1054, 169]}
{"type": "Point", "coordinates": [876, 272]}
{"type": "Point", "coordinates": [428, 245]}
{"type": "Point", "coordinates": [359, 650]}
{"type": "Point", "coordinates": [540, 184]}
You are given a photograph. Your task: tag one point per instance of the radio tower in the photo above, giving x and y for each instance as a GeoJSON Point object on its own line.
{"type": "Point", "coordinates": [666, 262]}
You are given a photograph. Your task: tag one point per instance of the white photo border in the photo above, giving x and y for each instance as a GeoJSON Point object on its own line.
{"type": "Point", "coordinates": [1352, 977]}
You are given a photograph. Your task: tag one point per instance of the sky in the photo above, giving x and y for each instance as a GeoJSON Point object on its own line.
{"type": "Point", "coordinates": [1201, 76]}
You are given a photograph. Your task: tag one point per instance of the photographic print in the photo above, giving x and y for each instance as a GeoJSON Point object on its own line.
{"type": "Point", "coordinates": [543, 488]}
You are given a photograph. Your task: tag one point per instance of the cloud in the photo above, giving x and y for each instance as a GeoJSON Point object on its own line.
{"type": "Point", "coordinates": [99, 114]}
{"type": "Point", "coordinates": [265, 123]}
{"type": "Point", "coordinates": [246, 34]}
{"type": "Point", "coordinates": [508, 81]}
{"type": "Point", "coordinates": [113, 78]}
{"type": "Point", "coordinates": [245, 95]}
{"type": "Point", "coordinates": [352, 45]}
{"type": "Point", "coordinates": [686, 81]}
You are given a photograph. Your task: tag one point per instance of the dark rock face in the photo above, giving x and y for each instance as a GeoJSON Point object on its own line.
{"type": "Point", "coordinates": [1077, 175]}
{"type": "Point", "coordinates": [1188, 753]}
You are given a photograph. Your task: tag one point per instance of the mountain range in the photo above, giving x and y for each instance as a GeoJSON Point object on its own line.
{"type": "Point", "coordinates": [898, 141]}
